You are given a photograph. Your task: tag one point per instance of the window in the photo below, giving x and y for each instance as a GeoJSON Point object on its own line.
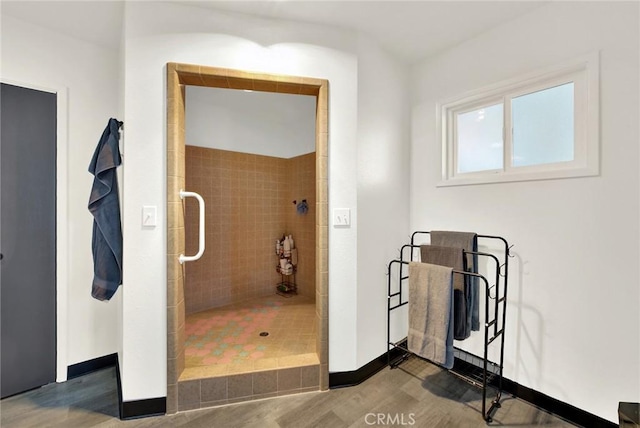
{"type": "Point", "coordinates": [538, 127]}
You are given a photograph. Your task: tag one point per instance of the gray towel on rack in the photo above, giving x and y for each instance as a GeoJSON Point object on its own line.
{"type": "Point", "coordinates": [469, 242]}
{"type": "Point", "coordinates": [431, 312]}
{"type": "Point", "coordinates": [452, 257]}
{"type": "Point", "coordinates": [445, 256]}
{"type": "Point", "coordinates": [104, 205]}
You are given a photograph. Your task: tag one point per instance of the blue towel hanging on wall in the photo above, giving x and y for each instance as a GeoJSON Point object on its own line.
{"type": "Point", "coordinates": [104, 205]}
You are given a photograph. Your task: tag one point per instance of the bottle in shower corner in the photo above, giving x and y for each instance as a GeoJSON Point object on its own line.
{"type": "Point", "coordinates": [291, 242]}
{"type": "Point", "coordinates": [287, 246]}
{"type": "Point", "coordinates": [277, 246]}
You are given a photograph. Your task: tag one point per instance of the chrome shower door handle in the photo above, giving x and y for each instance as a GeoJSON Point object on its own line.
{"type": "Point", "coordinates": [183, 258]}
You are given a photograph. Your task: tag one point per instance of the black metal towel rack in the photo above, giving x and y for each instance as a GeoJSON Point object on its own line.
{"type": "Point", "coordinates": [494, 325]}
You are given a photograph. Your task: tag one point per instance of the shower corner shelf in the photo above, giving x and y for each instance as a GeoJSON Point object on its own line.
{"type": "Point", "coordinates": [287, 286]}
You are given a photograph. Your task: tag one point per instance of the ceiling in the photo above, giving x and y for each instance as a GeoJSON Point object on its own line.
{"type": "Point", "coordinates": [99, 22]}
{"type": "Point", "coordinates": [410, 30]}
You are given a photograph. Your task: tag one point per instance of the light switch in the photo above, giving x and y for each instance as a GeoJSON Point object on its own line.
{"type": "Point", "coordinates": [149, 216]}
{"type": "Point", "coordinates": [341, 217]}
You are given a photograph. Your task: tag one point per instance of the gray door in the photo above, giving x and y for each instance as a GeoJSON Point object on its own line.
{"type": "Point", "coordinates": [27, 238]}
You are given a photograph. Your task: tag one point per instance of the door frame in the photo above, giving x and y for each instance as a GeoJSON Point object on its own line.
{"type": "Point", "coordinates": [62, 229]}
{"type": "Point", "coordinates": [179, 75]}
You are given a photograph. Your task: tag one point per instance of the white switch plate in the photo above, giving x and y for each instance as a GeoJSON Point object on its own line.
{"type": "Point", "coordinates": [149, 216]}
{"type": "Point", "coordinates": [341, 217]}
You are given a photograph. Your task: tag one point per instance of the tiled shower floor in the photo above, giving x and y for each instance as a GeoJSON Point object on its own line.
{"type": "Point", "coordinates": [227, 340]}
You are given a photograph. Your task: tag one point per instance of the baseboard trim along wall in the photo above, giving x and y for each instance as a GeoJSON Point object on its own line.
{"type": "Point", "coordinates": [79, 369]}
{"type": "Point", "coordinates": [557, 407]}
{"type": "Point", "coordinates": [143, 408]}
{"type": "Point", "coordinates": [538, 399]}
{"type": "Point", "coordinates": [127, 409]}
{"type": "Point", "coordinates": [355, 377]}
{"type": "Point", "coordinates": [139, 408]}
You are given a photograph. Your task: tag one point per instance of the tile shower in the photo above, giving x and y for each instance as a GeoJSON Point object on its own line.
{"type": "Point", "coordinates": [249, 204]}
{"type": "Point", "coordinates": [185, 394]}
{"type": "Point", "coordinates": [236, 327]}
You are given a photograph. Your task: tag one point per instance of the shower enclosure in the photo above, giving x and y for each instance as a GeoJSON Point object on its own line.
{"type": "Point", "coordinates": [230, 337]}
{"type": "Point", "coordinates": [233, 315]}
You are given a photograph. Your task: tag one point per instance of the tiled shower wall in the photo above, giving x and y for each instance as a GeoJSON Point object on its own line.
{"type": "Point", "coordinates": [301, 179]}
{"type": "Point", "coordinates": [249, 204]}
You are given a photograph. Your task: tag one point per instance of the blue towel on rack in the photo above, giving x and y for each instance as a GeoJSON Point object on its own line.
{"type": "Point", "coordinates": [431, 312]}
{"type": "Point", "coordinates": [469, 242]}
{"type": "Point", "coordinates": [104, 205]}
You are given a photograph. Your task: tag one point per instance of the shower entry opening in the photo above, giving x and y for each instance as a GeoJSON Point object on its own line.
{"type": "Point", "coordinates": [226, 322]}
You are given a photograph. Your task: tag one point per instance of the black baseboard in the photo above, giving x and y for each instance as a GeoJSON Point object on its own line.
{"type": "Point", "coordinates": [559, 408]}
{"type": "Point", "coordinates": [143, 408]}
{"type": "Point", "coordinates": [127, 409]}
{"type": "Point", "coordinates": [119, 382]}
{"type": "Point", "coordinates": [139, 408]}
{"type": "Point", "coordinates": [85, 367]}
{"type": "Point", "coordinates": [352, 378]}
{"type": "Point", "coordinates": [538, 399]}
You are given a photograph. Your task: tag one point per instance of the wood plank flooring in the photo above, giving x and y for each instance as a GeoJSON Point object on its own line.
{"type": "Point", "coordinates": [417, 394]}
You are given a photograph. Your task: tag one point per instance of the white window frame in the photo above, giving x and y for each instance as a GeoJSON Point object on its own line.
{"type": "Point", "coordinates": [583, 72]}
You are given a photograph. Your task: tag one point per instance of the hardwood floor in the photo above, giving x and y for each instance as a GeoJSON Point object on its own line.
{"type": "Point", "coordinates": [417, 394]}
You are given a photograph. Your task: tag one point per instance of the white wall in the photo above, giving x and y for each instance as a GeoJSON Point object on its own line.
{"type": "Point", "coordinates": [242, 43]}
{"type": "Point", "coordinates": [573, 324]}
{"type": "Point", "coordinates": [383, 188]}
{"type": "Point", "coordinates": [262, 123]}
{"type": "Point", "coordinates": [86, 74]}
{"type": "Point", "coordinates": [573, 328]}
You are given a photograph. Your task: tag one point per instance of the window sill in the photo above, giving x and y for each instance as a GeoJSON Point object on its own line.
{"type": "Point", "coordinates": [509, 177]}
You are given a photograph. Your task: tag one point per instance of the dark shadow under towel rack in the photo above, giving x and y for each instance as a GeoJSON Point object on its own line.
{"type": "Point", "coordinates": [488, 374]}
